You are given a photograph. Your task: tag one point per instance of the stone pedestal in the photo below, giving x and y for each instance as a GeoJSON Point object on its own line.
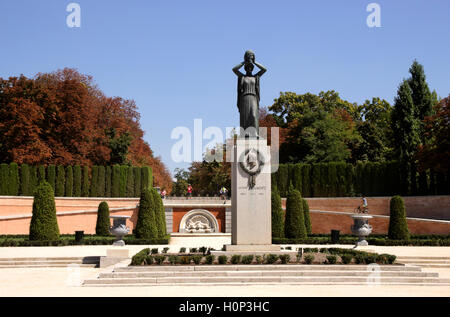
{"type": "Point", "coordinates": [361, 228]}
{"type": "Point", "coordinates": [251, 226]}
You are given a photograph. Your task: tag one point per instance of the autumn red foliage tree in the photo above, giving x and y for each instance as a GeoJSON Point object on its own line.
{"type": "Point", "coordinates": [63, 118]}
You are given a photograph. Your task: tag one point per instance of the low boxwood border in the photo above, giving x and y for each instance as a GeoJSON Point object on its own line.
{"type": "Point", "coordinates": [380, 241]}
{"type": "Point", "coordinates": [66, 240]}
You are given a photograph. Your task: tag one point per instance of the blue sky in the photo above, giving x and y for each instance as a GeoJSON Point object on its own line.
{"type": "Point", "coordinates": [174, 58]}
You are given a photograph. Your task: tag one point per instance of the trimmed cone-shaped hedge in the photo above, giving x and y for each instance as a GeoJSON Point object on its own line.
{"type": "Point", "coordinates": [277, 215]}
{"type": "Point", "coordinates": [398, 227]}
{"type": "Point", "coordinates": [103, 223]}
{"type": "Point", "coordinates": [159, 214]}
{"type": "Point", "coordinates": [306, 216]}
{"type": "Point", "coordinates": [146, 221]}
{"type": "Point", "coordinates": [44, 225]}
{"type": "Point", "coordinates": [60, 181]}
{"type": "Point", "coordinates": [77, 181]}
{"type": "Point", "coordinates": [69, 181]}
{"type": "Point", "coordinates": [294, 225]}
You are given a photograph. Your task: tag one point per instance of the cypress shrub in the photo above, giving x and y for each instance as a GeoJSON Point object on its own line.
{"type": "Point", "coordinates": [116, 181]}
{"type": "Point", "coordinates": [315, 180]}
{"type": "Point", "coordinates": [60, 181]}
{"type": "Point", "coordinates": [123, 181]}
{"type": "Point", "coordinates": [101, 183]}
{"type": "Point", "coordinates": [350, 180]}
{"type": "Point", "coordinates": [77, 181]}
{"type": "Point", "coordinates": [423, 183]}
{"type": "Point", "coordinates": [130, 182]}
{"type": "Point", "coordinates": [341, 186]}
{"type": "Point", "coordinates": [159, 213]}
{"type": "Point", "coordinates": [85, 188]}
{"type": "Point", "coordinates": [398, 227]}
{"type": "Point", "coordinates": [277, 215]}
{"type": "Point", "coordinates": [294, 226]}
{"type": "Point", "coordinates": [146, 221]}
{"type": "Point", "coordinates": [33, 179]}
{"type": "Point", "coordinates": [108, 180]}
{"type": "Point", "coordinates": [297, 177]}
{"type": "Point", "coordinates": [51, 176]}
{"type": "Point", "coordinates": [432, 189]}
{"type": "Point", "coordinates": [137, 181]}
{"type": "Point", "coordinates": [440, 183]}
{"type": "Point", "coordinates": [69, 181]}
{"type": "Point", "coordinates": [4, 179]}
{"type": "Point", "coordinates": [306, 181]}
{"type": "Point", "coordinates": [146, 177]}
{"type": "Point", "coordinates": [359, 178]}
{"type": "Point", "coordinates": [333, 181]}
{"type": "Point", "coordinates": [283, 180]}
{"type": "Point", "coordinates": [367, 179]}
{"type": "Point", "coordinates": [103, 222]}
{"type": "Point", "coordinates": [40, 173]}
{"type": "Point", "coordinates": [306, 216]}
{"type": "Point", "coordinates": [324, 180]}
{"type": "Point", "coordinates": [94, 182]}
{"type": "Point", "coordinates": [25, 188]}
{"type": "Point", "coordinates": [44, 225]}
{"type": "Point", "coordinates": [13, 182]}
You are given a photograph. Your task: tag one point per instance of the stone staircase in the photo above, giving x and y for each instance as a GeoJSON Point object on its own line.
{"type": "Point", "coordinates": [290, 274]}
{"type": "Point", "coordinates": [425, 261]}
{"type": "Point", "coordinates": [90, 261]}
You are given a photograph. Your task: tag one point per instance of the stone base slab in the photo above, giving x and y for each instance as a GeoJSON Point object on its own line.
{"type": "Point", "coordinates": [251, 247]}
{"type": "Point", "coordinates": [118, 253]}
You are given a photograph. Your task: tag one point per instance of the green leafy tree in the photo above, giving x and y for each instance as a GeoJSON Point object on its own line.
{"type": "Point", "coordinates": [60, 181]}
{"type": "Point", "coordinates": [294, 226]}
{"type": "Point", "coordinates": [398, 227]}
{"type": "Point", "coordinates": [119, 146]}
{"type": "Point", "coordinates": [44, 225]}
{"type": "Point", "coordinates": [69, 181]}
{"type": "Point", "coordinates": [103, 222]}
{"type": "Point", "coordinates": [146, 227]}
{"type": "Point", "coordinates": [277, 215]}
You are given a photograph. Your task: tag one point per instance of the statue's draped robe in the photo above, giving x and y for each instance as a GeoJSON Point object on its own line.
{"type": "Point", "coordinates": [248, 104]}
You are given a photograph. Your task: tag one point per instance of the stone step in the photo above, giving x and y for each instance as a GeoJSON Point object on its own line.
{"type": "Point", "coordinates": [90, 261]}
{"type": "Point", "coordinates": [286, 267]}
{"type": "Point", "coordinates": [423, 258]}
{"type": "Point", "coordinates": [42, 259]}
{"type": "Point", "coordinates": [425, 261]}
{"type": "Point", "coordinates": [264, 284]}
{"type": "Point", "coordinates": [261, 279]}
{"type": "Point", "coordinates": [437, 266]}
{"type": "Point", "coordinates": [261, 273]}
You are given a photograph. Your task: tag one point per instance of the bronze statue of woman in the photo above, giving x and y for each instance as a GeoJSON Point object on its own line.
{"type": "Point", "coordinates": [248, 93]}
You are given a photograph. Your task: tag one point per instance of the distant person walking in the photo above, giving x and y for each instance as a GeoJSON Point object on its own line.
{"type": "Point", "coordinates": [223, 193]}
{"type": "Point", "coordinates": [189, 191]}
{"type": "Point", "coordinates": [363, 208]}
{"type": "Point", "coordinates": [163, 194]}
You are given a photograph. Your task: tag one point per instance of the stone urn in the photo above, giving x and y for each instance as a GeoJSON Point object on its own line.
{"type": "Point", "coordinates": [119, 228]}
{"type": "Point", "coordinates": [361, 228]}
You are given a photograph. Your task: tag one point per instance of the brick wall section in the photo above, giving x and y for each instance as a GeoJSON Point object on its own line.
{"type": "Point", "coordinates": [428, 207]}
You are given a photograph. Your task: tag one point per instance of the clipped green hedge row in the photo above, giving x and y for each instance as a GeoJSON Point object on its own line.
{"type": "Point", "coordinates": [371, 241]}
{"type": "Point", "coordinates": [75, 181]}
{"type": "Point", "coordinates": [336, 179]}
{"type": "Point", "coordinates": [70, 240]}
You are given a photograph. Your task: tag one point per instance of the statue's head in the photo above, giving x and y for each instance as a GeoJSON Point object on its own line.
{"type": "Point", "coordinates": [249, 56]}
{"type": "Point", "coordinates": [249, 68]}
